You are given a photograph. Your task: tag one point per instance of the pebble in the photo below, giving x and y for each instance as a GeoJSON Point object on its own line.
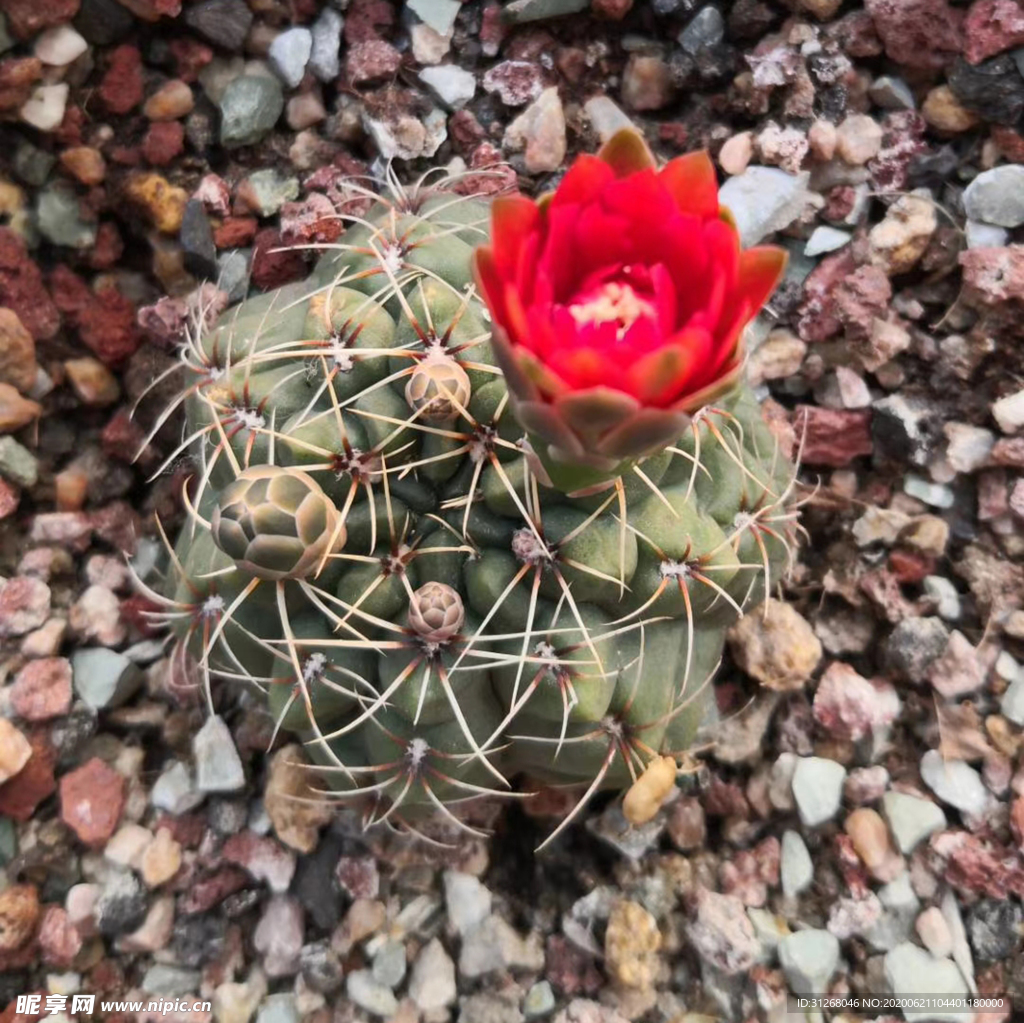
{"type": "Point", "coordinates": [237, 1003]}
{"type": "Point", "coordinates": [15, 751]}
{"type": "Point", "coordinates": [92, 799]}
{"type": "Point", "coordinates": [776, 645]}
{"type": "Point", "coordinates": [438, 14]}
{"type": "Point", "coordinates": [223, 22]}
{"type": "Point", "coordinates": [18, 365]}
{"type": "Point", "coordinates": [278, 936]}
{"type": "Point", "coordinates": [897, 243]}
{"type": "Point", "coordinates": [390, 964]}
{"type": "Point", "coordinates": [60, 218]}
{"type": "Point", "coordinates": [405, 137]}
{"type": "Point", "coordinates": [892, 93]}
{"type": "Point", "coordinates": [705, 30]}
{"type": "Point", "coordinates": [818, 789]}
{"type": "Point", "coordinates": [432, 983]}
{"type": "Point", "coordinates": [826, 239]}
{"type": "Point", "coordinates": [736, 153]}
{"type": "Point", "coordinates": [647, 83]}
{"type": "Point", "coordinates": [795, 865]}
{"type": "Point", "coordinates": [170, 981]}
{"type": "Point", "coordinates": [59, 46]}
{"type": "Point", "coordinates": [515, 82]}
{"type": "Point", "coordinates": [162, 203]}
{"type": "Point", "coordinates": [722, 933]}
{"type": "Point", "coordinates": [467, 901]}
{"type": "Point", "coordinates": [1012, 701]}
{"type": "Point", "coordinates": [428, 47]}
{"type": "Point", "coordinates": [605, 117]}
{"type": "Point", "coordinates": [539, 1000]}
{"type": "Point", "coordinates": [870, 838]}
{"type": "Point", "coordinates": [249, 107]}
{"type": "Point", "coordinates": [96, 615]}
{"type": "Point", "coordinates": [809, 959]}
{"type": "Point", "coordinates": [290, 801]}
{"type": "Point", "coordinates": [24, 605]}
{"type": "Point", "coordinates": [910, 970]}
{"type": "Point", "coordinates": [45, 108]}
{"type": "Point", "coordinates": [104, 678]}
{"type": "Point", "coordinates": [954, 782]}
{"type": "Point", "coordinates": [944, 111]}
{"type": "Point", "coordinates": [324, 59]}
{"type": "Point", "coordinates": [1008, 412]}
{"type": "Point", "coordinates": [175, 791]}
{"type": "Point", "coordinates": [763, 200]}
{"type": "Point", "coordinates": [997, 196]}
{"type": "Point", "coordinates": [218, 766]}
{"type": "Point", "coordinates": [452, 85]}
{"type": "Point", "coordinates": [539, 131]}
{"type": "Point", "coordinates": [994, 929]}
{"type": "Point", "coordinates": [289, 54]}
{"type": "Point", "coordinates": [494, 945]}
{"type": "Point", "coordinates": [161, 859]}
{"type": "Point", "coordinates": [519, 11]}
{"type": "Point", "coordinates": [266, 191]}
{"type": "Point", "coordinates": [170, 102]}
{"type": "Point", "coordinates": [912, 819]}
{"type": "Point", "coordinates": [19, 914]}
{"type": "Point", "coordinates": [367, 994]}
{"type": "Point", "coordinates": [984, 236]}
{"type": "Point", "coordinates": [851, 706]}
{"type": "Point", "coordinates": [280, 1008]}
{"type": "Point", "coordinates": [127, 845]}
{"type": "Point", "coordinates": [967, 447]}
{"type": "Point", "coordinates": [944, 596]}
{"type": "Point", "coordinates": [933, 931]}
{"type": "Point", "coordinates": [914, 644]}
{"type": "Point", "coordinates": [41, 691]}
{"type": "Point", "coordinates": [858, 139]}
{"type": "Point", "coordinates": [16, 462]}
{"type": "Point", "coordinates": [958, 671]}
{"type": "Point", "coordinates": [631, 944]}
{"type": "Point", "coordinates": [85, 164]}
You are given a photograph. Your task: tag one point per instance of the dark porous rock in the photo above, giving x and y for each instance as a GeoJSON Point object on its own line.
{"type": "Point", "coordinates": [913, 645]}
{"type": "Point", "coordinates": [122, 905]}
{"type": "Point", "coordinates": [750, 19]}
{"type": "Point", "coordinates": [197, 940]}
{"type": "Point", "coordinates": [316, 883]}
{"type": "Point", "coordinates": [223, 22]}
{"type": "Point", "coordinates": [993, 89]}
{"type": "Point", "coordinates": [994, 928]}
{"type": "Point", "coordinates": [320, 967]}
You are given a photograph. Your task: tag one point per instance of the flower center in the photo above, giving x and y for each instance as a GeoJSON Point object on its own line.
{"type": "Point", "coordinates": [613, 302]}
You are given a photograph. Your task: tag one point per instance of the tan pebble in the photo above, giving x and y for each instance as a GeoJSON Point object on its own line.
{"type": "Point", "coordinates": [933, 931]}
{"type": "Point", "coordinates": [14, 750]}
{"type": "Point", "coordinates": [17, 352]}
{"type": "Point", "coordinates": [737, 152]}
{"type": "Point", "coordinates": [161, 860]}
{"type": "Point", "coordinates": [944, 112]}
{"type": "Point", "coordinates": [162, 203]}
{"type": "Point", "coordinates": [92, 381]}
{"type": "Point", "coordinates": [85, 164]}
{"type": "Point", "coordinates": [858, 139]}
{"type": "Point", "coordinates": [822, 137]}
{"type": "Point", "coordinates": [631, 945]}
{"type": "Point", "coordinates": [870, 837]}
{"type": "Point", "coordinates": [776, 645]}
{"type": "Point", "coordinates": [16, 411]}
{"type": "Point", "coordinates": [170, 102]}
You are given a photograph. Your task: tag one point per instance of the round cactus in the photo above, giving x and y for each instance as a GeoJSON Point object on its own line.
{"type": "Point", "coordinates": [463, 534]}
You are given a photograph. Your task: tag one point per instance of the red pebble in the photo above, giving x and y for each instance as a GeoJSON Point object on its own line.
{"type": "Point", "coordinates": [163, 142]}
{"type": "Point", "coordinates": [121, 87]}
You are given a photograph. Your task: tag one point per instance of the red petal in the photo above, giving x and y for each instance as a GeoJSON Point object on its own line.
{"type": "Point", "coordinates": [513, 219]}
{"type": "Point", "coordinates": [583, 367]}
{"type": "Point", "coordinates": [640, 197]}
{"type": "Point", "coordinates": [583, 181]}
{"type": "Point", "coordinates": [660, 377]}
{"type": "Point", "coordinates": [692, 182]}
{"type": "Point", "coordinates": [760, 271]}
{"type": "Point", "coordinates": [516, 324]}
{"type": "Point", "coordinates": [489, 281]}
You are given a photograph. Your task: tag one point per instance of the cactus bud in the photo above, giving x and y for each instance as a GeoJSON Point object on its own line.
{"type": "Point", "coordinates": [276, 523]}
{"type": "Point", "coordinates": [439, 387]}
{"type": "Point", "coordinates": [436, 612]}
{"type": "Point", "coordinates": [648, 793]}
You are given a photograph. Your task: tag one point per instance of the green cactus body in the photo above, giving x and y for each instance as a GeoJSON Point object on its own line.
{"type": "Point", "coordinates": [374, 546]}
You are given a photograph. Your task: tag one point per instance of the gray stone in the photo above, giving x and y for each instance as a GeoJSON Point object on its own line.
{"type": "Point", "coordinates": [984, 236]}
{"type": "Point", "coordinates": [278, 936]}
{"type": "Point", "coordinates": [249, 109]}
{"type": "Point", "coordinates": [175, 790]}
{"type": "Point", "coordinates": [233, 269]}
{"type": "Point", "coordinates": [389, 964]}
{"type": "Point", "coordinates": [539, 1000]}
{"type": "Point", "coordinates": [104, 678]}
{"type": "Point", "coordinates": [795, 865]}
{"type": "Point", "coordinates": [17, 463]}
{"type": "Point", "coordinates": [605, 117]}
{"type": "Point", "coordinates": [537, 10]}
{"type": "Point", "coordinates": [938, 495]}
{"type": "Point", "coordinates": [289, 54]}
{"type": "Point", "coordinates": [997, 196]}
{"type": "Point", "coordinates": [196, 237]}
{"type": "Point", "coordinates": [911, 819]}
{"type": "Point", "coordinates": [809, 958]}
{"type": "Point", "coordinates": [59, 218]}
{"type": "Point", "coordinates": [910, 970]}
{"type": "Point", "coordinates": [914, 644]}
{"type": "Point", "coordinates": [223, 22]}
{"type": "Point", "coordinates": [278, 1009]}
{"type": "Point", "coordinates": [954, 782]}
{"type": "Point", "coordinates": [494, 945]}
{"type": "Point", "coordinates": [467, 901]}
{"type": "Point", "coordinates": [452, 85]}
{"type": "Point", "coordinates": [6, 39]}
{"type": "Point", "coordinates": [432, 984]}
{"type": "Point", "coordinates": [706, 29]}
{"type": "Point", "coordinates": [892, 93]}
{"type": "Point", "coordinates": [901, 906]}
{"type": "Point", "coordinates": [438, 14]}
{"type": "Point", "coordinates": [362, 989]}
{"type": "Point", "coordinates": [826, 239]}
{"type": "Point", "coordinates": [218, 767]}
{"type": "Point", "coordinates": [818, 789]}
{"type": "Point", "coordinates": [170, 981]}
{"type": "Point", "coordinates": [763, 200]}
{"type": "Point", "coordinates": [8, 841]}
{"type": "Point", "coordinates": [404, 137]}
{"type": "Point", "coordinates": [32, 164]}
{"type": "Point", "coordinates": [324, 58]}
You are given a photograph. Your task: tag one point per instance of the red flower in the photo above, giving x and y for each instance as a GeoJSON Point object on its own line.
{"type": "Point", "coordinates": [626, 284]}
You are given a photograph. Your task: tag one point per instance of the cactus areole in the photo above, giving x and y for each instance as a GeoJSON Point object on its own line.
{"type": "Point", "coordinates": [477, 501]}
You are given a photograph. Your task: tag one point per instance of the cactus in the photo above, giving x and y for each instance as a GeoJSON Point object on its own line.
{"type": "Point", "coordinates": [441, 578]}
